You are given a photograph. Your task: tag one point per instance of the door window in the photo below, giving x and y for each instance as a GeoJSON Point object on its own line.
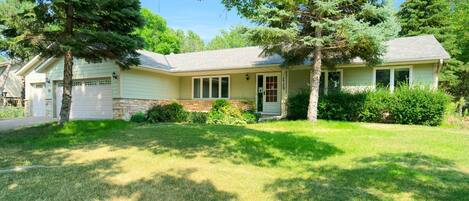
{"type": "Point", "coordinates": [271, 89]}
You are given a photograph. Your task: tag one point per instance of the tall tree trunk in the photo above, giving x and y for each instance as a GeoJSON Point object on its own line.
{"type": "Point", "coordinates": [68, 70]}
{"type": "Point", "coordinates": [315, 77]}
{"type": "Point", "coordinates": [67, 88]}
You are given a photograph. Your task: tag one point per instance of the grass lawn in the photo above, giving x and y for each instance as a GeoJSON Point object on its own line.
{"type": "Point", "coordinates": [114, 160]}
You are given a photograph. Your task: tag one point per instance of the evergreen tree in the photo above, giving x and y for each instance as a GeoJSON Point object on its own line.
{"type": "Point", "coordinates": [83, 29]}
{"type": "Point", "coordinates": [326, 32]}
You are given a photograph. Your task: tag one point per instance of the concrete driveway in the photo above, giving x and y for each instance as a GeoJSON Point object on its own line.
{"type": "Point", "coordinates": [13, 124]}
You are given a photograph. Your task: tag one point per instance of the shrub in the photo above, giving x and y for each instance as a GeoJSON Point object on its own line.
{"type": "Point", "coordinates": [419, 106]}
{"type": "Point", "coordinates": [376, 107]}
{"type": "Point", "coordinates": [298, 105]}
{"type": "Point", "coordinates": [251, 117]}
{"type": "Point", "coordinates": [173, 112]}
{"type": "Point", "coordinates": [405, 106]}
{"type": "Point", "coordinates": [9, 112]}
{"type": "Point", "coordinates": [223, 112]}
{"type": "Point", "coordinates": [198, 117]}
{"type": "Point", "coordinates": [341, 106]}
{"type": "Point", "coordinates": [138, 117]}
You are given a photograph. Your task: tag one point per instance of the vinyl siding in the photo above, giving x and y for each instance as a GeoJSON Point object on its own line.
{"type": "Point", "coordinates": [357, 79]}
{"type": "Point", "coordinates": [297, 81]}
{"type": "Point", "coordinates": [240, 88]}
{"type": "Point", "coordinates": [12, 83]}
{"type": "Point", "coordinates": [424, 75]}
{"type": "Point", "coordinates": [139, 84]}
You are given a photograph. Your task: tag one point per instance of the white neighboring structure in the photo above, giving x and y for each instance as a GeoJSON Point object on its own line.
{"type": "Point", "coordinates": [11, 85]}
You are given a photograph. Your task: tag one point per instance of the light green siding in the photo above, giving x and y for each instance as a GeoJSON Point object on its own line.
{"type": "Point", "coordinates": [356, 79]}
{"type": "Point", "coordinates": [83, 70]}
{"type": "Point", "coordinates": [185, 88]}
{"type": "Point", "coordinates": [148, 85]}
{"type": "Point", "coordinates": [242, 89]}
{"type": "Point", "coordinates": [297, 81]}
{"type": "Point", "coordinates": [423, 75]}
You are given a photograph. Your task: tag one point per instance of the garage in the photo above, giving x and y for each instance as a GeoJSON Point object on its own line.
{"type": "Point", "coordinates": [91, 99]}
{"type": "Point", "coordinates": [38, 100]}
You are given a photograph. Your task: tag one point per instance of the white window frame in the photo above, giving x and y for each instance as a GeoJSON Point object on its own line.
{"type": "Point", "coordinates": [326, 78]}
{"type": "Point", "coordinates": [210, 87]}
{"type": "Point", "coordinates": [391, 80]}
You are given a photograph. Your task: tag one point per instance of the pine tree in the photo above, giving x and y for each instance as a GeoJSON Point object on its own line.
{"type": "Point", "coordinates": [328, 32]}
{"type": "Point", "coordinates": [84, 29]}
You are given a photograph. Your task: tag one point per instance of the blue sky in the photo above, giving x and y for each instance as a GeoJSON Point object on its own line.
{"type": "Point", "coordinates": [205, 17]}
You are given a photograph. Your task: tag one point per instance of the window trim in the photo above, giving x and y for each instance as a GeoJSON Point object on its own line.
{"type": "Point", "coordinates": [326, 78]}
{"type": "Point", "coordinates": [210, 87]}
{"type": "Point", "coordinates": [391, 74]}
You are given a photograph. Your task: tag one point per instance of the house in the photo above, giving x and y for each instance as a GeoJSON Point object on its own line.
{"type": "Point", "coordinates": [195, 80]}
{"type": "Point", "coordinates": [11, 85]}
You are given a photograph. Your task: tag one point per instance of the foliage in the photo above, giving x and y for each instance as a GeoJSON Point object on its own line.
{"type": "Point", "coordinates": [330, 32]}
{"type": "Point", "coordinates": [9, 112]}
{"type": "Point", "coordinates": [298, 105]}
{"type": "Point", "coordinates": [190, 41]}
{"type": "Point", "coordinates": [173, 112]}
{"type": "Point", "coordinates": [419, 106]}
{"type": "Point", "coordinates": [156, 34]}
{"type": "Point", "coordinates": [223, 112]}
{"type": "Point", "coordinates": [404, 106]}
{"type": "Point", "coordinates": [448, 21]}
{"type": "Point", "coordinates": [198, 117]}
{"type": "Point", "coordinates": [138, 117]}
{"type": "Point", "coordinates": [235, 37]}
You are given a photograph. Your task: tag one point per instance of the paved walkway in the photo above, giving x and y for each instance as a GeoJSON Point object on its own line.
{"type": "Point", "coordinates": [12, 124]}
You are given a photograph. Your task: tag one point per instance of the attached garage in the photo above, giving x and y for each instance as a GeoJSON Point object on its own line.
{"type": "Point", "coordinates": [38, 100]}
{"type": "Point", "coordinates": [91, 99]}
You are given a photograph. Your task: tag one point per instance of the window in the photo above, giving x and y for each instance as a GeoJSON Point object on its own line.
{"type": "Point", "coordinates": [383, 78]}
{"type": "Point", "coordinates": [330, 81]}
{"type": "Point", "coordinates": [271, 89]}
{"type": "Point", "coordinates": [392, 77]}
{"type": "Point", "coordinates": [401, 77]}
{"type": "Point", "coordinates": [210, 87]}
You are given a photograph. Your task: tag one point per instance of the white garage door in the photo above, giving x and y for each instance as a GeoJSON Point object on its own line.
{"type": "Point", "coordinates": [38, 99]}
{"type": "Point", "coordinates": [91, 99]}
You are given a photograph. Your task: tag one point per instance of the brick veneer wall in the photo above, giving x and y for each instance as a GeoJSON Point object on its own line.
{"type": "Point", "coordinates": [123, 108]}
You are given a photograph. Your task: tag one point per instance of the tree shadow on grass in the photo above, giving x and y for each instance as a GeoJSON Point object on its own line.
{"type": "Point", "coordinates": [417, 176]}
{"type": "Point", "coordinates": [90, 181]}
{"type": "Point", "coordinates": [238, 144]}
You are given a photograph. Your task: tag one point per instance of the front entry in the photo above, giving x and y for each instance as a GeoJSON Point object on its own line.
{"type": "Point", "coordinates": [268, 93]}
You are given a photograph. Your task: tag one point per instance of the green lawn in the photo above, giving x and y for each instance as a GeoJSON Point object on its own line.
{"type": "Point", "coordinates": [114, 160]}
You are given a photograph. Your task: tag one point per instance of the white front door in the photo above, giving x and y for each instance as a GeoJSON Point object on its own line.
{"type": "Point", "coordinates": [91, 99]}
{"type": "Point", "coordinates": [271, 92]}
{"type": "Point", "coordinates": [38, 98]}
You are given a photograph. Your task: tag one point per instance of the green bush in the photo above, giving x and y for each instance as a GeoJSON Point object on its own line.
{"type": "Point", "coordinates": [138, 117]}
{"type": "Point", "coordinates": [298, 105]}
{"type": "Point", "coordinates": [9, 112]}
{"type": "Point", "coordinates": [198, 117]}
{"type": "Point", "coordinates": [251, 117]}
{"type": "Point", "coordinates": [223, 112]}
{"type": "Point", "coordinates": [419, 106]}
{"type": "Point", "coordinates": [405, 106]}
{"type": "Point", "coordinates": [341, 106]}
{"type": "Point", "coordinates": [376, 107]}
{"type": "Point", "coordinates": [173, 112]}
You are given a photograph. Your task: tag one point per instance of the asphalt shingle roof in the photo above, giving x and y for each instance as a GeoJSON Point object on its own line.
{"type": "Point", "coordinates": [416, 48]}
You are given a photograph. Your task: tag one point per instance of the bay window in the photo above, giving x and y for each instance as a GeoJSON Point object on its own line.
{"type": "Point", "coordinates": [210, 87]}
{"type": "Point", "coordinates": [331, 81]}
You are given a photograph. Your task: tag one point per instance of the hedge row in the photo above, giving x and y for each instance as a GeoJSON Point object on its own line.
{"type": "Point", "coordinates": [404, 106]}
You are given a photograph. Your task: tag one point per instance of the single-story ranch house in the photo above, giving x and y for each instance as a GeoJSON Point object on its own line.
{"type": "Point", "coordinates": [241, 75]}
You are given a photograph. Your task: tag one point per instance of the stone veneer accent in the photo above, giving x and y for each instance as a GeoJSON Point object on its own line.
{"type": "Point", "coordinates": [124, 108]}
